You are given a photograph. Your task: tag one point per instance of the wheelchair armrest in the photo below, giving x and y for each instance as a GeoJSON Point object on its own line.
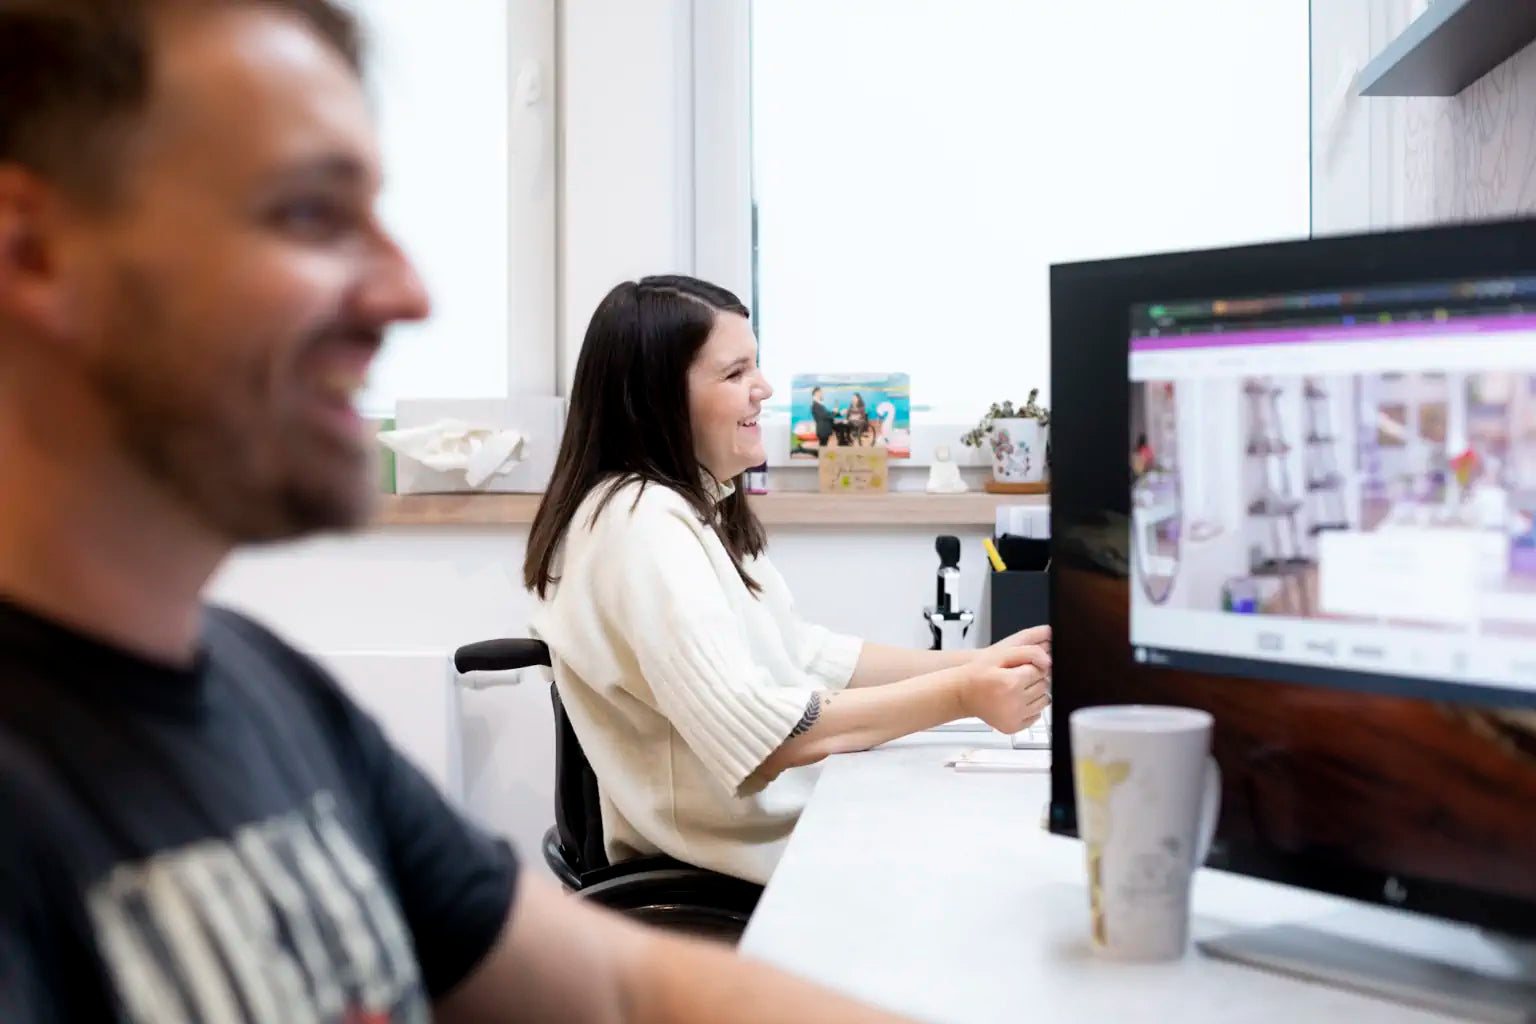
{"type": "Point", "coordinates": [501, 655]}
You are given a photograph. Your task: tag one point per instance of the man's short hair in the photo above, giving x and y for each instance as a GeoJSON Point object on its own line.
{"type": "Point", "coordinates": [75, 73]}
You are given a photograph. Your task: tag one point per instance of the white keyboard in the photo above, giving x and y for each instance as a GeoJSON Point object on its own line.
{"type": "Point", "coordinates": [1036, 737]}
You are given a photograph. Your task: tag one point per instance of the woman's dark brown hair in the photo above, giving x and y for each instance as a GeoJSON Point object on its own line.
{"type": "Point", "coordinates": [628, 418]}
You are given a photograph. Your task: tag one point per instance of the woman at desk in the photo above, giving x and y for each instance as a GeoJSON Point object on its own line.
{"type": "Point", "coordinates": [701, 699]}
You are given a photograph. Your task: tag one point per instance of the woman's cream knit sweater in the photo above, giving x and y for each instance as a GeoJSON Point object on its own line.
{"type": "Point", "coordinates": [679, 681]}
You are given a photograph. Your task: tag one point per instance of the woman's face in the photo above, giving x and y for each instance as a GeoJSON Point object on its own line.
{"type": "Point", "coordinates": [726, 392]}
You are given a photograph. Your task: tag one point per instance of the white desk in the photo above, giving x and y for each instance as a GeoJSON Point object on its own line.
{"type": "Point", "coordinates": [937, 894]}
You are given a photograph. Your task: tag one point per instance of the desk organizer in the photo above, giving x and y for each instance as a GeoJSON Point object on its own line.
{"type": "Point", "coordinates": [1020, 596]}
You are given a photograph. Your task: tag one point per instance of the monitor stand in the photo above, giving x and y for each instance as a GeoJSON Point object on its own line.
{"type": "Point", "coordinates": [1402, 975]}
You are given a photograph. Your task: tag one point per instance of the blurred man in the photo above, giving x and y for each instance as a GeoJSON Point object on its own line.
{"type": "Point", "coordinates": [195, 823]}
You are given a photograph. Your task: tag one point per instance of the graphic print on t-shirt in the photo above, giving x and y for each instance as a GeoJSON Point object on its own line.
{"type": "Point", "coordinates": [284, 921]}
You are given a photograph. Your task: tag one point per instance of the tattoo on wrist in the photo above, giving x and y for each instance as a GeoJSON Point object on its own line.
{"type": "Point", "coordinates": [812, 712]}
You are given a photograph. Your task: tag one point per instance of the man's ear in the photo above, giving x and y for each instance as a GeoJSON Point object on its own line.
{"type": "Point", "coordinates": [32, 286]}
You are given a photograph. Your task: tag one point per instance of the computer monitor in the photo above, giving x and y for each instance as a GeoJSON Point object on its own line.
{"type": "Point", "coordinates": [1315, 517]}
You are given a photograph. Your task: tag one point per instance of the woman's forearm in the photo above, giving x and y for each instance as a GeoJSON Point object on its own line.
{"type": "Point", "coordinates": [879, 664]}
{"type": "Point", "coordinates": [840, 723]}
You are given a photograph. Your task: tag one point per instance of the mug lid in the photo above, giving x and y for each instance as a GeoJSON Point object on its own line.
{"type": "Point", "coordinates": [1142, 718]}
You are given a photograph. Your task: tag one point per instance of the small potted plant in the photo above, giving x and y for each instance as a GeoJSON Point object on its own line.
{"type": "Point", "coordinates": [1018, 438]}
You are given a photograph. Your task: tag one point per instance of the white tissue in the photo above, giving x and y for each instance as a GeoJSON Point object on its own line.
{"type": "Point", "coordinates": [450, 446]}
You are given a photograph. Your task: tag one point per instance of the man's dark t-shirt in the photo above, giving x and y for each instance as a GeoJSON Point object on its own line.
{"type": "Point", "coordinates": [235, 841]}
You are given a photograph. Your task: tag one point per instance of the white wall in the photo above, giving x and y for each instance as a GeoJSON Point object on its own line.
{"type": "Point", "coordinates": [1382, 162]}
{"type": "Point", "coordinates": [417, 589]}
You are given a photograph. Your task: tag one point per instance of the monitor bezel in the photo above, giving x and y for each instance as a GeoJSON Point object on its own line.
{"type": "Point", "coordinates": [1090, 307]}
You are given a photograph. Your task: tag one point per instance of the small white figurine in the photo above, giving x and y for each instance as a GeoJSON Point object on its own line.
{"type": "Point", "coordinates": [944, 475]}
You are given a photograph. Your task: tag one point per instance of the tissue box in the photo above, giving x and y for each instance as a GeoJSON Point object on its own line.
{"type": "Point", "coordinates": [539, 418]}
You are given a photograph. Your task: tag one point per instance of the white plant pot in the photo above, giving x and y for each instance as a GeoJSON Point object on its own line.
{"type": "Point", "coordinates": [1018, 451]}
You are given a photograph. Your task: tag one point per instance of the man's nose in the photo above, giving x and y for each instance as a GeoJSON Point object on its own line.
{"type": "Point", "coordinates": [393, 291]}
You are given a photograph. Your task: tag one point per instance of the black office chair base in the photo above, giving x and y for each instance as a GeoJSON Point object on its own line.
{"type": "Point", "coordinates": [662, 891]}
{"type": "Point", "coordinates": [693, 922]}
{"type": "Point", "coordinates": [697, 903]}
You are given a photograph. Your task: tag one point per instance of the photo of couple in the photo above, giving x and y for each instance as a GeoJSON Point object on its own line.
{"type": "Point", "coordinates": [850, 411]}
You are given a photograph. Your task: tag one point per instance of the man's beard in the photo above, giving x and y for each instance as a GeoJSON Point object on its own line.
{"type": "Point", "coordinates": [248, 482]}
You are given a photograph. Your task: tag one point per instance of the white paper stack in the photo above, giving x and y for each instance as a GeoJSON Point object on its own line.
{"type": "Point", "coordinates": [1024, 521]}
{"type": "Point", "coordinates": [994, 759]}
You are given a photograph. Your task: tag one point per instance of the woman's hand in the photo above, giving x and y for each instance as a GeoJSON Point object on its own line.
{"type": "Point", "coordinates": [879, 664]}
{"type": "Point", "coordinates": [1036, 641]}
{"type": "Point", "coordinates": [1034, 636]}
{"type": "Point", "coordinates": [1008, 689]}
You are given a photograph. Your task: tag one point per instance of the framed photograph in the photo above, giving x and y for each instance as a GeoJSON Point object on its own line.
{"type": "Point", "coordinates": [850, 410]}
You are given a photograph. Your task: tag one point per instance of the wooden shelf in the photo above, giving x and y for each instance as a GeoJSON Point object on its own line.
{"type": "Point", "coordinates": [785, 508]}
{"type": "Point", "coordinates": [457, 509]}
{"type": "Point", "coordinates": [1450, 46]}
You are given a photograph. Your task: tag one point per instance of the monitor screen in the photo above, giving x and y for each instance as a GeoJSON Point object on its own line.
{"type": "Point", "coordinates": [1339, 487]}
{"type": "Point", "coordinates": [1314, 518]}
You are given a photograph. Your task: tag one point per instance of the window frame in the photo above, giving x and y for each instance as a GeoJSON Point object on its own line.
{"type": "Point", "coordinates": [533, 243]}
{"type": "Point", "coordinates": [528, 112]}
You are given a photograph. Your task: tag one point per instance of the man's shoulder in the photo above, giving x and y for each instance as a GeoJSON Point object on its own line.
{"type": "Point", "coordinates": [246, 648]}
{"type": "Point", "coordinates": [229, 634]}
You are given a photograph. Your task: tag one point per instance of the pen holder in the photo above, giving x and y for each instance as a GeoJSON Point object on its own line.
{"type": "Point", "coordinates": [1019, 596]}
{"type": "Point", "coordinates": [1030, 554]}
